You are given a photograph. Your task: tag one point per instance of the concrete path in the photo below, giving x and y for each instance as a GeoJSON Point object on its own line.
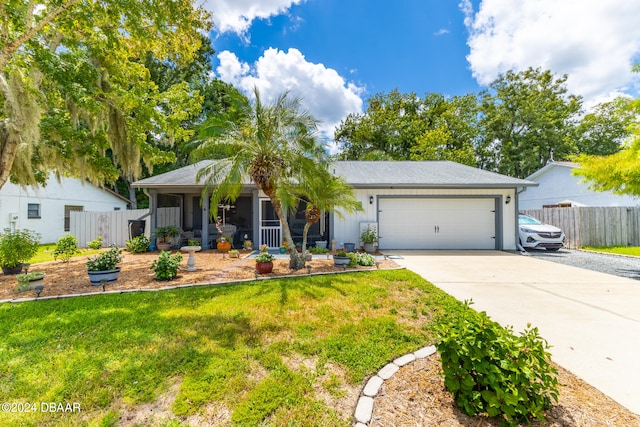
{"type": "Point", "coordinates": [591, 319]}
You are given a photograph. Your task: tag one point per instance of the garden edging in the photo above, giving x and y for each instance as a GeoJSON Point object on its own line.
{"type": "Point", "coordinates": [364, 408]}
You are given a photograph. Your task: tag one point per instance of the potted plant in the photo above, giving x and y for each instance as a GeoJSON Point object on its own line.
{"type": "Point", "coordinates": [369, 237]}
{"type": "Point", "coordinates": [16, 248]}
{"type": "Point", "coordinates": [165, 235]}
{"type": "Point", "coordinates": [341, 259]}
{"type": "Point", "coordinates": [264, 249]}
{"type": "Point", "coordinates": [234, 253]}
{"type": "Point", "coordinates": [248, 245]}
{"type": "Point", "coordinates": [283, 248]}
{"type": "Point", "coordinates": [102, 269]}
{"type": "Point", "coordinates": [223, 243]}
{"type": "Point", "coordinates": [29, 281]}
{"type": "Point", "coordinates": [264, 263]}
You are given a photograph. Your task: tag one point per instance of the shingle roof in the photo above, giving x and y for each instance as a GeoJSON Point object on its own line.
{"type": "Point", "coordinates": [373, 174]}
{"type": "Point", "coordinates": [422, 174]}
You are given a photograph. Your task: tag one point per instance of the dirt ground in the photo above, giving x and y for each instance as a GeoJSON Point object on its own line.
{"type": "Point", "coordinates": [414, 396]}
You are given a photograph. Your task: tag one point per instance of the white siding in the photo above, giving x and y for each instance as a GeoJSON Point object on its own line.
{"type": "Point", "coordinates": [347, 230]}
{"type": "Point", "coordinates": [52, 199]}
{"type": "Point", "coordinates": [557, 184]}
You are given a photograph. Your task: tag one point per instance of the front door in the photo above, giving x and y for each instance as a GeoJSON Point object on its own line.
{"type": "Point", "coordinates": [270, 227]}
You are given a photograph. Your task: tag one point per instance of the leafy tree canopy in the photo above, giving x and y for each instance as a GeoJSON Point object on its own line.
{"type": "Point", "coordinates": [528, 118]}
{"type": "Point", "coordinates": [76, 95]}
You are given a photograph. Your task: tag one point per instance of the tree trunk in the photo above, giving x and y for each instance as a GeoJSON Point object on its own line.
{"type": "Point", "coordinates": [133, 201]}
{"type": "Point", "coordinates": [296, 262]}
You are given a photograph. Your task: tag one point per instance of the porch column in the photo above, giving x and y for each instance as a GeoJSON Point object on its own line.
{"type": "Point", "coordinates": [255, 200]}
{"type": "Point", "coordinates": [205, 220]}
{"type": "Point", "coordinates": [153, 213]}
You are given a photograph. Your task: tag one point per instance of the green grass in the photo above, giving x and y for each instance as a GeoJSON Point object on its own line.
{"type": "Point", "coordinates": [45, 253]}
{"type": "Point", "coordinates": [620, 250]}
{"type": "Point", "coordinates": [233, 346]}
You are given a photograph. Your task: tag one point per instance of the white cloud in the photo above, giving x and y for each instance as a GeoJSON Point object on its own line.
{"type": "Point", "coordinates": [593, 42]}
{"type": "Point", "coordinates": [326, 94]}
{"type": "Point", "coordinates": [236, 15]}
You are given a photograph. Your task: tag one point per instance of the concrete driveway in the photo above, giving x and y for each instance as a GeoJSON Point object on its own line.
{"type": "Point", "coordinates": [591, 319]}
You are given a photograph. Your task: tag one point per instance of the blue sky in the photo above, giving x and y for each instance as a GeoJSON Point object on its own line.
{"type": "Point", "coordinates": [337, 53]}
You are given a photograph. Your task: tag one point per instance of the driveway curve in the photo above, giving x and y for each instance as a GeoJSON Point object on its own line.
{"type": "Point", "coordinates": [591, 319]}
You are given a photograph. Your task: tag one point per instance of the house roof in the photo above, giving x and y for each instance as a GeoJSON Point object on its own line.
{"type": "Point", "coordinates": [359, 174]}
{"type": "Point", "coordinates": [549, 166]}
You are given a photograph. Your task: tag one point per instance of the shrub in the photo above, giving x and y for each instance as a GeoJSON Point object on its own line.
{"type": "Point", "coordinates": [66, 247]}
{"type": "Point", "coordinates": [95, 244]}
{"type": "Point", "coordinates": [139, 244]}
{"type": "Point", "coordinates": [490, 370]}
{"type": "Point", "coordinates": [365, 259]}
{"type": "Point", "coordinates": [317, 250]}
{"type": "Point", "coordinates": [17, 247]}
{"type": "Point", "coordinates": [107, 260]}
{"type": "Point", "coordinates": [166, 266]}
{"type": "Point", "coordinates": [353, 259]}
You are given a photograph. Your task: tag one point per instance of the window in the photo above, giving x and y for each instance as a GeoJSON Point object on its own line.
{"type": "Point", "coordinates": [33, 210]}
{"type": "Point", "coordinates": [67, 215]}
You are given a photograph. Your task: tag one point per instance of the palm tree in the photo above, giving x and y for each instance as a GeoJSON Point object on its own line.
{"type": "Point", "coordinates": [272, 145]}
{"type": "Point", "coordinates": [328, 193]}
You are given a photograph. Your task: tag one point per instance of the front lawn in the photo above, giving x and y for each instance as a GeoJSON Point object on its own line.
{"type": "Point", "coordinates": [292, 351]}
{"type": "Point", "coordinates": [45, 253]}
{"type": "Point", "coordinates": [620, 250]}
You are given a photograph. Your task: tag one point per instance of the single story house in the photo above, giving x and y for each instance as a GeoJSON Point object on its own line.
{"type": "Point", "coordinates": [47, 210]}
{"type": "Point", "coordinates": [413, 205]}
{"type": "Point", "coordinates": [558, 187]}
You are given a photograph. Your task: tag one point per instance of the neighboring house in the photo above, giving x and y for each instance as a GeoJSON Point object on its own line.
{"type": "Point", "coordinates": [414, 205]}
{"type": "Point", "coordinates": [558, 187]}
{"type": "Point", "coordinates": [47, 209]}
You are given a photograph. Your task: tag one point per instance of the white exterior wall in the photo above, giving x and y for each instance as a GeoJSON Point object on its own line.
{"type": "Point", "coordinates": [347, 230]}
{"type": "Point", "coordinates": [52, 200]}
{"type": "Point", "coordinates": [557, 184]}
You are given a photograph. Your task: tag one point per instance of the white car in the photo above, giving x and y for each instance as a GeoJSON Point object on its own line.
{"type": "Point", "coordinates": [536, 235]}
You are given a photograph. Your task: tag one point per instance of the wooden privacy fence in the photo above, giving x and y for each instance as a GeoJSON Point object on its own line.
{"type": "Point", "coordinates": [594, 226]}
{"type": "Point", "coordinates": [113, 226]}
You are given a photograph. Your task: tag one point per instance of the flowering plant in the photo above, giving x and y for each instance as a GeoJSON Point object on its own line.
{"type": "Point", "coordinates": [264, 257]}
{"type": "Point", "coordinates": [106, 260]}
{"type": "Point", "coordinates": [264, 249]}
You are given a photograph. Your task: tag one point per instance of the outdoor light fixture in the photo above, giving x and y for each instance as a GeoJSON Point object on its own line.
{"type": "Point", "coordinates": [378, 265]}
{"type": "Point", "coordinates": [256, 273]}
{"type": "Point", "coordinates": [370, 200]}
{"type": "Point", "coordinates": [38, 290]}
{"type": "Point", "coordinates": [508, 200]}
{"type": "Point", "coordinates": [309, 269]}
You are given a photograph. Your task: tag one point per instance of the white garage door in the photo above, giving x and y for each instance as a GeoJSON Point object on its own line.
{"type": "Point", "coordinates": [437, 223]}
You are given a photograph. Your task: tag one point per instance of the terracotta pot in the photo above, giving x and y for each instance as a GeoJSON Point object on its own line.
{"type": "Point", "coordinates": [164, 246]}
{"type": "Point", "coordinates": [264, 267]}
{"type": "Point", "coordinates": [223, 247]}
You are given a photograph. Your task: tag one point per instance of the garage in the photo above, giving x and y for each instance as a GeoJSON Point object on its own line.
{"type": "Point", "coordinates": [437, 222]}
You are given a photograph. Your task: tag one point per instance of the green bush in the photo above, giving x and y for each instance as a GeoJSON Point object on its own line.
{"type": "Point", "coordinates": [17, 247]}
{"type": "Point", "coordinates": [166, 266]}
{"type": "Point", "coordinates": [66, 247]}
{"type": "Point", "coordinates": [139, 244]}
{"type": "Point", "coordinates": [106, 261]}
{"type": "Point", "coordinates": [353, 259]}
{"type": "Point", "coordinates": [366, 260]}
{"type": "Point", "coordinates": [317, 250]}
{"type": "Point", "coordinates": [95, 244]}
{"type": "Point", "coordinates": [490, 370]}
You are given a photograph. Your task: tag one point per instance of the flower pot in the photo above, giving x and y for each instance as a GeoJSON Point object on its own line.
{"type": "Point", "coordinates": [12, 270]}
{"type": "Point", "coordinates": [321, 244]}
{"type": "Point", "coordinates": [31, 284]}
{"type": "Point", "coordinates": [283, 250]}
{"type": "Point", "coordinates": [162, 246]}
{"type": "Point", "coordinates": [264, 267]}
{"type": "Point", "coordinates": [98, 278]}
{"type": "Point", "coordinates": [349, 247]}
{"type": "Point", "coordinates": [341, 260]}
{"type": "Point", "coordinates": [369, 248]}
{"type": "Point", "coordinates": [223, 247]}
{"type": "Point", "coordinates": [308, 256]}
